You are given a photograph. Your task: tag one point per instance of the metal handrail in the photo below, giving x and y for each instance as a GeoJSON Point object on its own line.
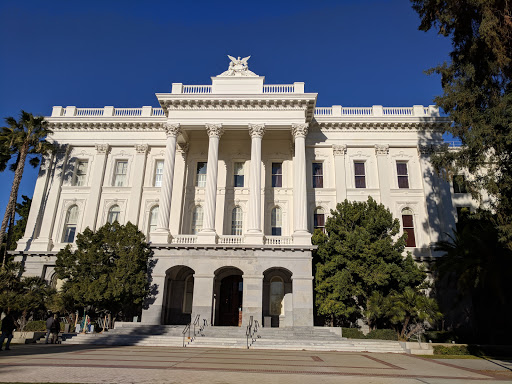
{"type": "Point", "coordinates": [187, 328]}
{"type": "Point", "coordinates": [196, 322]}
{"type": "Point", "coordinates": [248, 331]}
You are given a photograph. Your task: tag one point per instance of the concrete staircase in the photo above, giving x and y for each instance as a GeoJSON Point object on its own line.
{"type": "Point", "coordinates": [292, 338]}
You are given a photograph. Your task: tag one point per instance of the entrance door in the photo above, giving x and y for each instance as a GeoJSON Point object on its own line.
{"type": "Point", "coordinates": [230, 304]}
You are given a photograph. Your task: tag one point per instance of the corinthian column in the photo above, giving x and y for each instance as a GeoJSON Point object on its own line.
{"type": "Point", "coordinates": [162, 234]}
{"type": "Point", "coordinates": [300, 212]}
{"type": "Point", "coordinates": [254, 231]}
{"type": "Point", "coordinates": [208, 234]}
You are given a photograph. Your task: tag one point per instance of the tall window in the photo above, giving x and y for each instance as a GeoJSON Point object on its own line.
{"type": "Point", "coordinates": [276, 296]}
{"type": "Point", "coordinates": [403, 174]}
{"type": "Point", "coordinates": [68, 235]}
{"type": "Point", "coordinates": [159, 173]}
{"type": "Point", "coordinates": [318, 175]}
{"type": "Point", "coordinates": [319, 219]}
{"type": "Point", "coordinates": [81, 172]}
{"type": "Point", "coordinates": [201, 174]}
{"type": "Point", "coordinates": [189, 294]}
{"type": "Point", "coordinates": [277, 175]}
{"type": "Point", "coordinates": [360, 175]}
{"type": "Point", "coordinates": [408, 225]}
{"type": "Point", "coordinates": [153, 219]}
{"type": "Point", "coordinates": [459, 184]}
{"type": "Point", "coordinates": [120, 173]}
{"type": "Point", "coordinates": [236, 221]}
{"type": "Point", "coordinates": [113, 214]}
{"type": "Point", "coordinates": [276, 221]}
{"type": "Point", "coordinates": [238, 180]}
{"type": "Point", "coordinates": [197, 219]}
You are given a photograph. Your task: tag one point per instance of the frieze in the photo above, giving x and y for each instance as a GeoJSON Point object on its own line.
{"type": "Point", "coordinates": [81, 126]}
{"type": "Point", "coordinates": [369, 126]}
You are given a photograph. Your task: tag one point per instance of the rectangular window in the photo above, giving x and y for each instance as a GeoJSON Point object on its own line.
{"type": "Point", "coordinates": [159, 173]}
{"type": "Point", "coordinates": [408, 224]}
{"type": "Point", "coordinates": [277, 175]}
{"type": "Point", "coordinates": [402, 173]}
{"type": "Point", "coordinates": [459, 184]}
{"type": "Point", "coordinates": [359, 173]}
{"type": "Point", "coordinates": [238, 171]}
{"type": "Point", "coordinates": [81, 172]}
{"type": "Point", "coordinates": [201, 174]}
{"type": "Point", "coordinates": [120, 173]}
{"type": "Point", "coordinates": [318, 175]}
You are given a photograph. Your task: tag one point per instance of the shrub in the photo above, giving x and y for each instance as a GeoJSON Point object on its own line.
{"type": "Point", "coordinates": [35, 325]}
{"type": "Point", "coordinates": [451, 350]}
{"type": "Point", "coordinates": [441, 336]}
{"type": "Point", "coordinates": [352, 333]}
{"type": "Point", "coordinates": [382, 334]}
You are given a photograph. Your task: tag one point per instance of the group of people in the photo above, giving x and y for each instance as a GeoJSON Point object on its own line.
{"type": "Point", "coordinates": [52, 329]}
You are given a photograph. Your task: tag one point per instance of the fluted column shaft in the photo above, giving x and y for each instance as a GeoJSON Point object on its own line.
{"type": "Point", "coordinates": [214, 132]}
{"type": "Point", "coordinates": [164, 209]}
{"type": "Point", "coordinates": [300, 213]}
{"type": "Point", "coordinates": [256, 131]}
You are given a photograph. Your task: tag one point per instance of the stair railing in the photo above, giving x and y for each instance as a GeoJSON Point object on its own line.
{"type": "Point", "coordinates": [248, 332]}
{"type": "Point", "coordinates": [187, 329]}
{"type": "Point", "coordinates": [196, 322]}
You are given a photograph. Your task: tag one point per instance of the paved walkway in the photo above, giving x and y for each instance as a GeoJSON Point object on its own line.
{"type": "Point", "coordinates": [94, 364]}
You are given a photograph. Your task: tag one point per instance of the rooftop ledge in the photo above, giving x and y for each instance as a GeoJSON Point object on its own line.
{"type": "Point", "coordinates": [322, 113]}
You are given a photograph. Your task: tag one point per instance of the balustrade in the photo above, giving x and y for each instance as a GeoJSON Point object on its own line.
{"type": "Point", "coordinates": [230, 239]}
{"type": "Point", "coordinates": [184, 239]}
{"type": "Point", "coordinates": [323, 111]}
{"type": "Point", "coordinates": [197, 89]}
{"type": "Point", "coordinates": [357, 111]}
{"type": "Point", "coordinates": [279, 88]}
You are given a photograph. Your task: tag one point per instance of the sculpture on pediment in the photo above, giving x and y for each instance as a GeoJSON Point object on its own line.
{"type": "Point", "coordinates": [238, 67]}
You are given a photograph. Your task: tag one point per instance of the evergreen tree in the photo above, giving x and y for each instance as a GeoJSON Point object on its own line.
{"type": "Point", "coordinates": [17, 230]}
{"type": "Point", "coordinates": [362, 253]}
{"type": "Point", "coordinates": [108, 270]}
{"type": "Point", "coordinates": [477, 95]}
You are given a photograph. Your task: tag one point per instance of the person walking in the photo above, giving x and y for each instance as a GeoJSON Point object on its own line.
{"type": "Point", "coordinates": [55, 329]}
{"type": "Point", "coordinates": [8, 327]}
{"type": "Point", "coordinates": [49, 322]}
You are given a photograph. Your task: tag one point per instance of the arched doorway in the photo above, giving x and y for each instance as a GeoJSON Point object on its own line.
{"type": "Point", "coordinates": [277, 296]}
{"type": "Point", "coordinates": [178, 295]}
{"type": "Point", "coordinates": [228, 294]}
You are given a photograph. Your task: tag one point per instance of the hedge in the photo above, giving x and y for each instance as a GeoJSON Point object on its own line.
{"type": "Point", "coordinates": [352, 333]}
{"type": "Point", "coordinates": [451, 350]}
{"type": "Point", "coordinates": [382, 334]}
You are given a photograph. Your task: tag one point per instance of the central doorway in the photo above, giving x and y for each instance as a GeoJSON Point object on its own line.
{"type": "Point", "coordinates": [228, 291]}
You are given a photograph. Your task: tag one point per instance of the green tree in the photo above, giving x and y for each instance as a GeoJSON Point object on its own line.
{"type": "Point", "coordinates": [361, 253]}
{"type": "Point", "coordinates": [108, 270]}
{"type": "Point", "coordinates": [477, 95]}
{"type": "Point", "coordinates": [21, 138]}
{"type": "Point", "coordinates": [479, 265]}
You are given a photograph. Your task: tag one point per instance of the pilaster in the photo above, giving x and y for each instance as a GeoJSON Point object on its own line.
{"type": "Point", "coordinates": [93, 201]}
{"type": "Point", "coordinates": [203, 297]}
{"type": "Point", "coordinates": [178, 188]}
{"type": "Point", "coordinates": [302, 301]}
{"type": "Point", "coordinates": [385, 173]}
{"type": "Point", "coordinates": [139, 169]}
{"type": "Point", "coordinates": [340, 173]}
{"type": "Point", "coordinates": [153, 313]}
{"type": "Point", "coordinates": [252, 299]}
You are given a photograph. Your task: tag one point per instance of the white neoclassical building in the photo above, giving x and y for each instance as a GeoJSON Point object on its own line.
{"type": "Point", "coordinates": [228, 181]}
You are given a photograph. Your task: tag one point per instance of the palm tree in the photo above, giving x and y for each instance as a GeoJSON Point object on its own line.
{"type": "Point", "coordinates": [21, 138]}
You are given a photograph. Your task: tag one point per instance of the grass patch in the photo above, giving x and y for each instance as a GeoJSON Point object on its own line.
{"type": "Point", "coordinates": [448, 357]}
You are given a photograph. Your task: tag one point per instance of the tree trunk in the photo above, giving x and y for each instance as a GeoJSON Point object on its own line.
{"type": "Point", "coordinates": [18, 174]}
{"type": "Point", "coordinates": [404, 328]}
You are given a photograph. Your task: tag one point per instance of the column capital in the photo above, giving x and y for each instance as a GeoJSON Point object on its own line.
{"type": "Point", "coordinates": [172, 129]}
{"type": "Point", "coordinates": [381, 149]}
{"type": "Point", "coordinates": [214, 130]}
{"type": "Point", "coordinates": [300, 130]}
{"type": "Point", "coordinates": [339, 150]}
{"type": "Point", "coordinates": [101, 148]}
{"type": "Point", "coordinates": [256, 130]}
{"type": "Point", "coordinates": [141, 148]}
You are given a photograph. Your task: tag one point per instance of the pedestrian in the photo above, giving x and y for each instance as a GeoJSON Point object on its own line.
{"type": "Point", "coordinates": [55, 329]}
{"type": "Point", "coordinates": [49, 322]}
{"type": "Point", "coordinates": [8, 327]}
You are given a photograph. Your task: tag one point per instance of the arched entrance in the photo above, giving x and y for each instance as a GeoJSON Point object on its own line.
{"type": "Point", "coordinates": [228, 294]}
{"type": "Point", "coordinates": [178, 295]}
{"type": "Point", "coordinates": [277, 296]}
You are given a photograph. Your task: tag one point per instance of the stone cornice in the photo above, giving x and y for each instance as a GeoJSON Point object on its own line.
{"type": "Point", "coordinates": [113, 126]}
{"type": "Point", "coordinates": [369, 125]}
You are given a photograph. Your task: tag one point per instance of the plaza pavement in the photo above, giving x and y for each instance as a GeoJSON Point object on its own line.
{"type": "Point", "coordinates": [123, 364]}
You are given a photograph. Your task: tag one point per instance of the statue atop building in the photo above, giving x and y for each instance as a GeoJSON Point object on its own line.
{"type": "Point", "coordinates": [238, 67]}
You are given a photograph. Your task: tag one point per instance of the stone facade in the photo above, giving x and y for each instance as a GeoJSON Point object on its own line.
{"type": "Point", "coordinates": [228, 181]}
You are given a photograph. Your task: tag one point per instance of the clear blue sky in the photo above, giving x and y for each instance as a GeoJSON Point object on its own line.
{"type": "Point", "coordinates": [96, 53]}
